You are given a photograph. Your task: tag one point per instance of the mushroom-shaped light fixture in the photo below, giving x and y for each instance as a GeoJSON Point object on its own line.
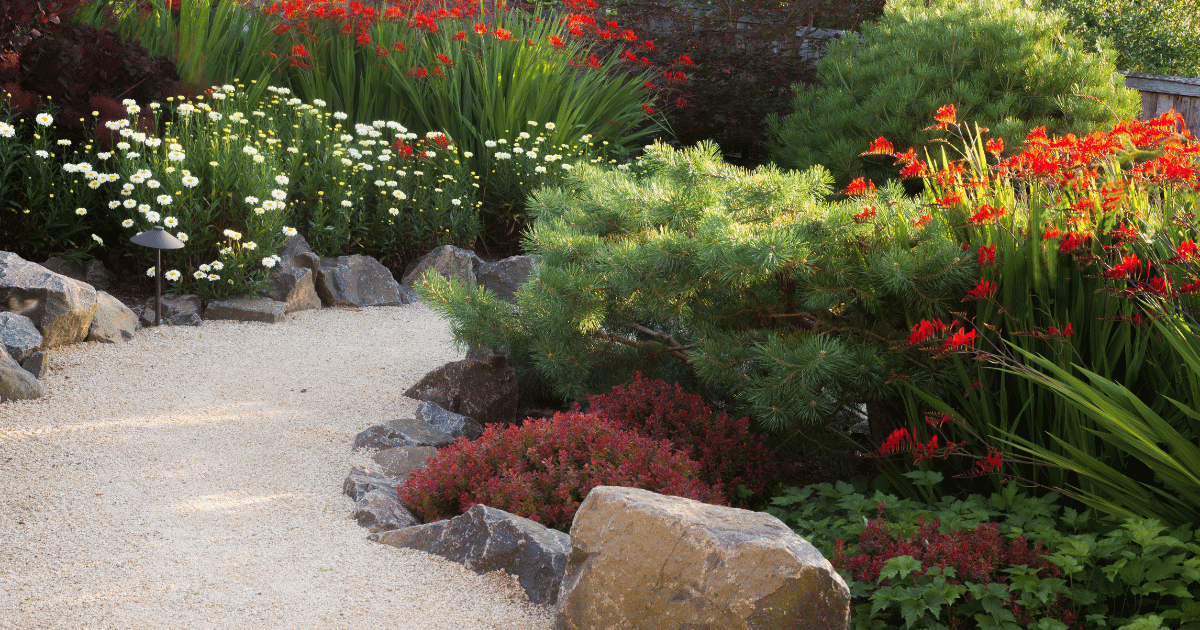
{"type": "Point", "coordinates": [158, 239]}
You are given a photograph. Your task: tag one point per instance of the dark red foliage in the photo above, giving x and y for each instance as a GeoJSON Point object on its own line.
{"type": "Point", "coordinates": [543, 469]}
{"type": "Point", "coordinates": [729, 454]}
{"type": "Point", "coordinates": [23, 20]}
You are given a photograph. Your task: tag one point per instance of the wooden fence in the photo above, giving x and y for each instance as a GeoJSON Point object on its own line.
{"type": "Point", "coordinates": [1162, 93]}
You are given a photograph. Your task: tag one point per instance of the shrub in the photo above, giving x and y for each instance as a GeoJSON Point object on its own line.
{"type": "Point", "coordinates": [729, 454]}
{"type": "Point", "coordinates": [1156, 36]}
{"type": "Point", "coordinates": [1006, 65]}
{"type": "Point", "coordinates": [543, 469]}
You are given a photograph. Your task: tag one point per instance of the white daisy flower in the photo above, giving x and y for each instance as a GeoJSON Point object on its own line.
{"type": "Point", "coordinates": [550, 125]}
{"type": "Point", "coordinates": [173, 275]}
{"type": "Point", "coordinates": [130, 203]}
{"type": "Point", "coordinates": [81, 211]}
{"type": "Point", "coordinates": [456, 202]}
{"type": "Point", "coordinates": [42, 154]}
{"type": "Point", "coordinates": [171, 222]}
{"type": "Point", "coordinates": [98, 240]}
{"type": "Point", "coordinates": [212, 277]}
{"type": "Point", "coordinates": [199, 275]}
{"type": "Point", "coordinates": [250, 245]}
{"type": "Point", "coordinates": [205, 268]}
{"type": "Point", "coordinates": [279, 194]}
{"type": "Point", "coordinates": [44, 119]}
{"type": "Point", "coordinates": [114, 204]}
{"type": "Point", "coordinates": [182, 236]}
{"type": "Point", "coordinates": [165, 200]}
{"type": "Point", "coordinates": [501, 155]}
{"type": "Point", "coordinates": [268, 262]}
{"type": "Point", "coordinates": [399, 195]}
{"type": "Point", "coordinates": [393, 211]}
{"type": "Point", "coordinates": [218, 265]}
{"type": "Point", "coordinates": [190, 181]}
{"type": "Point", "coordinates": [104, 155]}
{"type": "Point", "coordinates": [150, 272]}
{"type": "Point", "coordinates": [282, 180]}
{"type": "Point", "coordinates": [287, 231]}
{"type": "Point", "coordinates": [251, 201]}
{"type": "Point", "coordinates": [346, 203]}
{"type": "Point", "coordinates": [153, 216]}
{"type": "Point", "coordinates": [489, 144]}
{"type": "Point", "coordinates": [7, 130]}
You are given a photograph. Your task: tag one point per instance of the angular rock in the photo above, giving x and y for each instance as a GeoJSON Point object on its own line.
{"type": "Point", "coordinates": [97, 275]}
{"type": "Point", "coordinates": [645, 560]}
{"type": "Point", "coordinates": [380, 511]}
{"type": "Point", "coordinates": [64, 267]}
{"type": "Point", "coordinates": [399, 461]}
{"type": "Point", "coordinates": [362, 480]}
{"type": "Point", "coordinates": [247, 309]}
{"type": "Point", "coordinates": [504, 277]}
{"type": "Point", "coordinates": [485, 539]}
{"type": "Point", "coordinates": [177, 310]}
{"type": "Point", "coordinates": [484, 390]}
{"type": "Point", "coordinates": [358, 281]}
{"type": "Point", "coordinates": [114, 322]}
{"type": "Point", "coordinates": [35, 365]}
{"type": "Point", "coordinates": [15, 382]}
{"type": "Point", "coordinates": [18, 335]}
{"type": "Point", "coordinates": [294, 246]}
{"type": "Point", "coordinates": [452, 424]}
{"type": "Point", "coordinates": [448, 260]}
{"type": "Point", "coordinates": [401, 432]}
{"type": "Point", "coordinates": [60, 308]}
{"type": "Point", "coordinates": [293, 286]}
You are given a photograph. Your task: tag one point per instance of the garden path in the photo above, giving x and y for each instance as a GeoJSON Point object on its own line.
{"type": "Point", "coordinates": [191, 478]}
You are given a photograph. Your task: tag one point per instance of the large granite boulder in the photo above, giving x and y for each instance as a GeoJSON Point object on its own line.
{"type": "Point", "coordinates": [247, 309]}
{"type": "Point", "coordinates": [177, 310]}
{"type": "Point", "coordinates": [452, 424]}
{"type": "Point", "coordinates": [380, 511]}
{"type": "Point", "coordinates": [484, 390]}
{"type": "Point", "coordinates": [114, 322]}
{"type": "Point", "coordinates": [15, 382]}
{"type": "Point", "coordinates": [449, 261]}
{"type": "Point", "coordinates": [64, 267]}
{"type": "Point", "coordinates": [92, 272]}
{"type": "Point", "coordinates": [504, 277]}
{"type": "Point", "coordinates": [359, 281]}
{"type": "Point", "coordinates": [400, 432]}
{"type": "Point", "coordinates": [293, 279]}
{"type": "Point", "coordinates": [60, 308]}
{"type": "Point", "coordinates": [486, 539]}
{"type": "Point", "coordinates": [362, 480]}
{"type": "Point", "coordinates": [18, 336]}
{"type": "Point", "coordinates": [645, 560]}
{"type": "Point", "coordinates": [399, 461]}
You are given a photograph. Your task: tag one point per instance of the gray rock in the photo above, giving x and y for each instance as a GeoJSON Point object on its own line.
{"type": "Point", "coordinates": [64, 267]}
{"type": "Point", "coordinates": [114, 322]}
{"type": "Point", "coordinates": [95, 274]}
{"type": "Point", "coordinates": [18, 335]}
{"type": "Point", "coordinates": [452, 424]}
{"type": "Point", "coordinates": [35, 364]}
{"type": "Point", "coordinates": [247, 309]}
{"type": "Point", "coordinates": [644, 560]}
{"type": "Point", "coordinates": [358, 281]}
{"type": "Point", "coordinates": [177, 310]}
{"type": "Point", "coordinates": [484, 390]}
{"type": "Point", "coordinates": [362, 480]}
{"type": "Point", "coordinates": [448, 260]}
{"type": "Point", "coordinates": [401, 432]}
{"type": "Point", "coordinates": [399, 461]}
{"type": "Point", "coordinates": [293, 286]}
{"type": "Point", "coordinates": [60, 308]}
{"type": "Point", "coordinates": [15, 382]}
{"type": "Point", "coordinates": [380, 511]}
{"type": "Point", "coordinates": [504, 277]}
{"type": "Point", "coordinates": [486, 539]}
{"type": "Point", "coordinates": [294, 246]}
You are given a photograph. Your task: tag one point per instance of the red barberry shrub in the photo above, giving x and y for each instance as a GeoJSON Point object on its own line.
{"type": "Point", "coordinates": [978, 556]}
{"type": "Point", "coordinates": [543, 469]}
{"type": "Point", "coordinates": [728, 453]}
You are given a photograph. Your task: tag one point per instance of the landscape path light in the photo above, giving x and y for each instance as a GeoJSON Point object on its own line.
{"type": "Point", "coordinates": [159, 239]}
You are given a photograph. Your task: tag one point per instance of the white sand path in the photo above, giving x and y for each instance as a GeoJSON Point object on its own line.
{"type": "Point", "coordinates": [192, 479]}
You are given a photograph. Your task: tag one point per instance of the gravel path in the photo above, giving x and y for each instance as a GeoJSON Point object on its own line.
{"type": "Point", "coordinates": [192, 478]}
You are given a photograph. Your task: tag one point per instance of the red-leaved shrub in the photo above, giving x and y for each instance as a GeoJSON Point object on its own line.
{"type": "Point", "coordinates": [728, 453]}
{"type": "Point", "coordinates": [543, 469]}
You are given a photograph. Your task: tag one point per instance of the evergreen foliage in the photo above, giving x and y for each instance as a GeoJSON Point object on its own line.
{"type": "Point", "coordinates": [1006, 64]}
{"type": "Point", "coordinates": [742, 285]}
{"type": "Point", "coordinates": [1153, 36]}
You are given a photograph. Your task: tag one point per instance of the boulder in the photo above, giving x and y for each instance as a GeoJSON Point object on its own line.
{"type": "Point", "coordinates": [486, 539]}
{"type": "Point", "coordinates": [177, 310]}
{"type": "Point", "coordinates": [15, 382]}
{"type": "Point", "coordinates": [484, 390]}
{"type": "Point", "coordinates": [60, 308]}
{"type": "Point", "coordinates": [295, 246]}
{"type": "Point", "coordinates": [380, 511]}
{"type": "Point", "coordinates": [35, 364]}
{"type": "Point", "coordinates": [504, 277]}
{"type": "Point", "coordinates": [247, 309]}
{"type": "Point", "coordinates": [644, 560]}
{"type": "Point", "coordinates": [18, 335]}
{"type": "Point", "coordinates": [64, 267]}
{"type": "Point", "coordinates": [402, 432]}
{"type": "Point", "coordinates": [359, 281]}
{"type": "Point", "coordinates": [114, 322]}
{"type": "Point", "coordinates": [362, 480]}
{"type": "Point", "coordinates": [293, 286]}
{"type": "Point", "coordinates": [399, 461]}
{"type": "Point", "coordinates": [97, 275]}
{"type": "Point", "coordinates": [448, 260]}
{"type": "Point", "coordinates": [452, 424]}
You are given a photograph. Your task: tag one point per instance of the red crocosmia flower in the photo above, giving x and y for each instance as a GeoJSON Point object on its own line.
{"type": "Point", "coordinates": [399, 47]}
{"type": "Point", "coordinates": [987, 214]}
{"type": "Point", "coordinates": [1189, 288]}
{"type": "Point", "coordinates": [945, 116]}
{"type": "Point", "coordinates": [649, 45]}
{"type": "Point", "coordinates": [1123, 233]}
{"type": "Point", "coordinates": [554, 40]}
{"type": "Point", "coordinates": [983, 289]}
{"type": "Point", "coordinates": [860, 186]}
{"type": "Point", "coordinates": [461, 36]}
{"type": "Point", "coordinates": [987, 255]}
{"type": "Point", "coordinates": [594, 62]}
{"type": "Point", "coordinates": [898, 442]}
{"type": "Point", "coordinates": [481, 29]}
{"type": "Point", "coordinates": [419, 72]}
{"type": "Point", "coordinates": [646, 108]}
{"type": "Point", "coordinates": [923, 331]}
{"type": "Point", "coordinates": [683, 59]}
{"type": "Point", "coordinates": [960, 340]}
{"type": "Point", "coordinates": [915, 168]}
{"type": "Point", "coordinates": [613, 24]}
{"type": "Point", "coordinates": [995, 146]}
{"type": "Point", "coordinates": [628, 56]}
{"type": "Point", "coordinates": [649, 85]}
{"type": "Point", "coordinates": [908, 157]}
{"type": "Point", "coordinates": [922, 220]}
{"type": "Point", "coordinates": [300, 52]}
{"type": "Point", "coordinates": [880, 147]}
{"type": "Point", "coordinates": [937, 424]}
{"type": "Point", "coordinates": [867, 214]}
{"type": "Point", "coordinates": [1038, 136]}
{"type": "Point", "coordinates": [502, 34]}
{"type": "Point", "coordinates": [1068, 331]}
{"type": "Point", "coordinates": [680, 102]}
{"type": "Point", "coordinates": [363, 38]}
{"type": "Point", "coordinates": [950, 200]}
{"type": "Point", "coordinates": [443, 59]}
{"type": "Point", "coordinates": [1073, 241]}
{"type": "Point", "coordinates": [644, 61]}
{"type": "Point", "coordinates": [437, 72]}
{"type": "Point", "coordinates": [1051, 232]}
{"type": "Point", "coordinates": [992, 463]}
{"type": "Point", "coordinates": [1187, 250]}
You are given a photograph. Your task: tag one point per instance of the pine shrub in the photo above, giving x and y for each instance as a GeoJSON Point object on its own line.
{"type": "Point", "coordinates": [730, 455]}
{"type": "Point", "coordinates": [543, 469]}
{"type": "Point", "coordinates": [1007, 65]}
